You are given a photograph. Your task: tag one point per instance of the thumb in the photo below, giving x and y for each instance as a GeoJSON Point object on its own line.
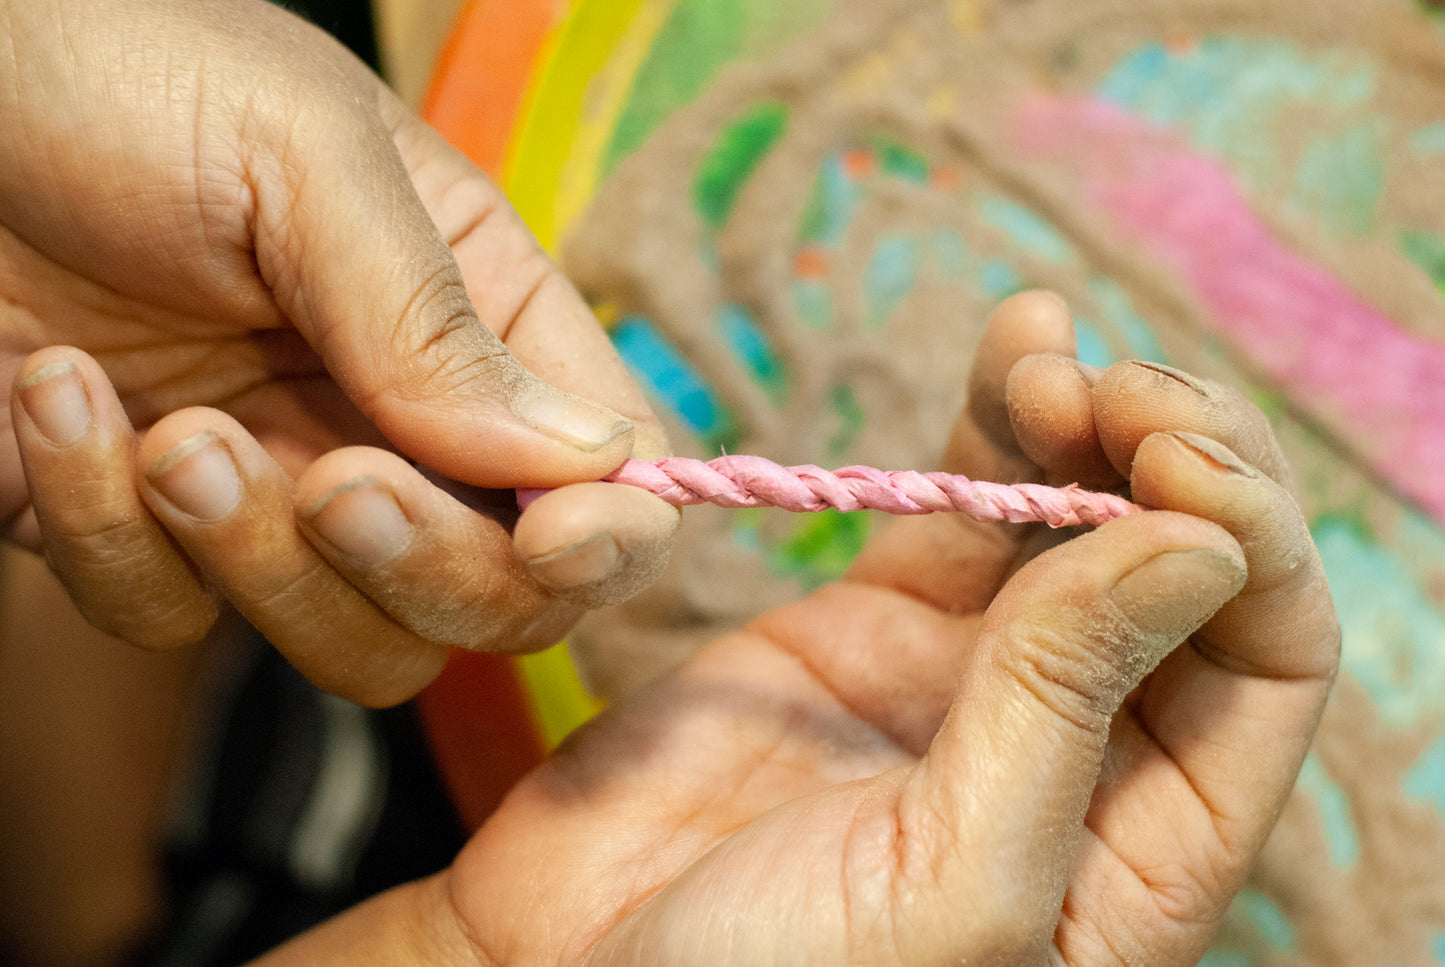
{"type": "Point", "coordinates": [1010, 775]}
{"type": "Point", "coordinates": [358, 265]}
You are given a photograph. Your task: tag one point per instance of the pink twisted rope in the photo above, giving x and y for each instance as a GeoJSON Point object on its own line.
{"type": "Point", "coordinates": [744, 481]}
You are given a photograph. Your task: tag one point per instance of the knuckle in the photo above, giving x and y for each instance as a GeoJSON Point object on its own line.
{"type": "Point", "coordinates": [1064, 673]}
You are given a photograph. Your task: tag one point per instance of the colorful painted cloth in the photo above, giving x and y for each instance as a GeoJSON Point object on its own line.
{"type": "Point", "coordinates": [795, 216]}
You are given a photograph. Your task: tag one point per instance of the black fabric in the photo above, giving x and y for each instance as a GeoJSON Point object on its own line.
{"type": "Point", "coordinates": [349, 21]}
{"type": "Point", "coordinates": [236, 885]}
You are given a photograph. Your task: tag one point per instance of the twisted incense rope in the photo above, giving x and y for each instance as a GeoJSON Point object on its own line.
{"type": "Point", "coordinates": [743, 481]}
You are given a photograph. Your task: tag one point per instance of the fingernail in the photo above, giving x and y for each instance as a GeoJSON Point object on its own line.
{"type": "Point", "coordinates": [577, 565]}
{"type": "Point", "coordinates": [55, 400]}
{"type": "Point", "coordinates": [1214, 453]}
{"type": "Point", "coordinates": [199, 477]}
{"type": "Point", "coordinates": [571, 419]}
{"type": "Point", "coordinates": [362, 520]}
{"type": "Point", "coordinates": [1172, 594]}
{"type": "Point", "coordinates": [1169, 372]}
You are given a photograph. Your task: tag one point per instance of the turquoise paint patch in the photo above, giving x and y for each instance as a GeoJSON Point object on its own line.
{"type": "Point", "coordinates": [831, 204]}
{"type": "Point", "coordinates": [1089, 344]}
{"type": "Point", "coordinates": [742, 335]}
{"type": "Point", "coordinates": [1267, 917]}
{"type": "Point", "coordinates": [1437, 947]}
{"type": "Point", "coordinates": [951, 253]}
{"type": "Point", "coordinates": [1230, 95]}
{"type": "Point", "coordinates": [1426, 779]}
{"type": "Point", "coordinates": [673, 381]}
{"type": "Point", "coordinates": [1392, 629]}
{"type": "Point", "coordinates": [890, 276]}
{"type": "Point", "coordinates": [1429, 140]}
{"type": "Point", "coordinates": [1342, 178]}
{"type": "Point", "coordinates": [1224, 958]}
{"type": "Point", "coordinates": [1119, 313]}
{"type": "Point", "coordinates": [998, 280]}
{"type": "Point", "coordinates": [1334, 811]}
{"type": "Point", "coordinates": [1025, 228]}
{"type": "Point", "coordinates": [814, 304]}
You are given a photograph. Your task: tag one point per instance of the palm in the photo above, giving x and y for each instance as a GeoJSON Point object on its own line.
{"type": "Point", "coordinates": [926, 763]}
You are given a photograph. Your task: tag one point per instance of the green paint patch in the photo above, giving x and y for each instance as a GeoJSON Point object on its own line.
{"type": "Point", "coordinates": [897, 160]}
{"type": "Point", "coordinates": [850, 419]}
{"type": "Point", "coordinates": [732, 159]}
{"type": "Point", "coordinates": [821, 547]}
{"type": "Point", "coordinates": [1426, 250]}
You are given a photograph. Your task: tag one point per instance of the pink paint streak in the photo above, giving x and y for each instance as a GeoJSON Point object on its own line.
{"type": "Point", "coordinates": [1379, 387]}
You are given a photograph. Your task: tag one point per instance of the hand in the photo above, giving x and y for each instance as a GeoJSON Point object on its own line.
{"type": "Point", "coordinates": [957, 755]}
{"type": "Point", "coordinates": [257, 259]}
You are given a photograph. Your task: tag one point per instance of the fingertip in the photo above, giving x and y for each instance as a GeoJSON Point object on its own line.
{"type": "Point", "coordinates": [1051, 412]}
{"type": "Point", "coordinates": [596, 544]}
{"type": "Point", "coordinates": [1030, 322]}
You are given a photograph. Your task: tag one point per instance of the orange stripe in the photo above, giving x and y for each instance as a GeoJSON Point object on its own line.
{"type": "Point", "coordinates": [483, 72]}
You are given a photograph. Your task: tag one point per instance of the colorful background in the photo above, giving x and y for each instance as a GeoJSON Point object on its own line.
{"type": "Point", "coordinates": [1254, 194]}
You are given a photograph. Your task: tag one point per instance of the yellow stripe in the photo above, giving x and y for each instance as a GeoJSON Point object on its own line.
{"type": "Point", "coordinates": [580, 84]}
{"type": "Point", "coordinates": [584, 75]}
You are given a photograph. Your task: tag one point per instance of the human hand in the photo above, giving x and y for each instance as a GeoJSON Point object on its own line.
{"type": "Point", "coordinates": [261, 259]}
{"type": "Point", "coordinates": [963, 753]}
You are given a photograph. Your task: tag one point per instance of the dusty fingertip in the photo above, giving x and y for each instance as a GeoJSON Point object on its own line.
{"type": "Point", "coordinates": [1173, 593]}
{"type": "Point", "coordinates": [596, 544]}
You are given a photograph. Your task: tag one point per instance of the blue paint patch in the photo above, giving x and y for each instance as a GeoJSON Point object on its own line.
{"type": "Point", "coordinates": [1392, 629]}
{"type": "Point", "coordinates": [1119, 313]}
{"type": "Point", "coordinates": [1267, 917]}
{"type": "Point", "coordinates": [1334, 811]}
{"type": "Point", "coordinates": [1025, 228]}
{"type": "Point", "coordinates": [890, 276]}
{"type": "Point", "coordinates": [743, 337]}
{"type": "Point", "coordinates": [1437, 947]}
{"type": "Point", "coordinates": [1089, 344]}
{"type": "Point", "coordinates": [998, 280]}
{"type": "Point", "coordinates": [670, 377]}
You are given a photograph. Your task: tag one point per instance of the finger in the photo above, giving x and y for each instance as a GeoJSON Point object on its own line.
{"type": "Point", "coordinates": [450, 574]}
{"type": "Point", "coordinates": [1134, 399]}
{"type": "Point", "coordinates": [946, 559]}
{"type": "Point", "coordinates": [355, 261]}
{"type": "Point", "coordinates": [1051, 413]}
{"type": "Point", "coordinates": [555, 335]}
{"type": "Point", "coordinates": [1022, 325]}
{"type": "Point", "coordinates": [596, 544]}
{"type": "Point", "coordinates": [229, 505]}
{"type": "Point", "coordinates": [118, 564]}
{"type": "Point", "coordinates": [1009, 777]}
{"type": "Point", "coordinates": [1219, 731]}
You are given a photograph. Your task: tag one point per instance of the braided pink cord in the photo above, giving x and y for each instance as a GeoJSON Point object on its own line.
{"type": "Point", "coordinates": [744, 481]}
